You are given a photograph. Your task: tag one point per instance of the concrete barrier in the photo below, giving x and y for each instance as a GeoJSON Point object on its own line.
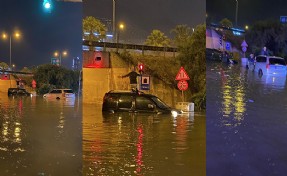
{"type": "Point", "coordinates": [185, 106]}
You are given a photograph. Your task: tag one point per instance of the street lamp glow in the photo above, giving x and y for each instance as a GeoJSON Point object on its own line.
{"type": "Point", "coordinates": [60, 55]}
{"type": "Point", "coordinates": [65, 53]}
{"type": "Point", "coordinates": [246, 27]}
{"type": "Point", "coordinates": [122, 26]}
{"type": "Point", "coordinates": [4, 36]}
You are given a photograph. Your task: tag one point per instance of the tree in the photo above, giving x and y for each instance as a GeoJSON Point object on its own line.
{"type": "Point", "coordinates": [192, 56]}
{"type": "Point", "coordinates": [182, 34]}
{"type": "Point", "coordinates": [271, 34]}
{"type": "Point", "coordinates": [228, 34]}
{"type": "Point", "coordinates": [157, 38]}
{"type": "Point", "coordinates": [226, 23]}
{"type": "Point", "coordinates": [95, 29]}
{"type": "Point", "coordinates": [3, 66]}
{"type": "Point", "coordinates": [50, 76]}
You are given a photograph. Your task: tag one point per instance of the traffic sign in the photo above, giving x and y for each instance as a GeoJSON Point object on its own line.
{"type": "Point", "coordinates": [145, 82]}
{"type": "Point", "coordinates": [182, 75]}
{"type": "Point", "coordinates": [182, 85]}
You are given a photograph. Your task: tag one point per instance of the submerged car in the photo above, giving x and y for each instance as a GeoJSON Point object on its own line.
{"type": "Point", "coordinates": [60, 94]}
{"type": "Point", "coordinates": [18, 92]}
{"type": "Point", "coordinates": [270, 65]}
{"type": "Point", "coordinates": [135, 101]}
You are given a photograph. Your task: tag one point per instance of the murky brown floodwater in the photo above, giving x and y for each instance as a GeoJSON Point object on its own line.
{"type": "Point", "coordinates": [137, 144]}
{"type": "Point", "coordinates": [40, 137]}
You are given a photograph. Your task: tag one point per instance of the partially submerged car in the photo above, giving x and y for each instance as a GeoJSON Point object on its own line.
{"type": "Point", "coordinates": [135, 101]}
{"type": "Point", "coordinates": [270, 65]}
{"type": "Point", "coordinates": [60, 94]}
{"type": "Point", "coordinates": [18, 92]}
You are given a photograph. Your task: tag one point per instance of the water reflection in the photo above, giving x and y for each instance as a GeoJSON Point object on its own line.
{"type": "Point", "coordinates": [246, 122]}
{"type": "Point", "coordinates": [142, 144]}
{"type": "Point", "coordinates": [39, 137]}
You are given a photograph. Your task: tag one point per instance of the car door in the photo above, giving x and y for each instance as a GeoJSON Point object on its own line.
{"type": "Point", "coordinates": [144, 104]}
{"type": "Point", "coordinates": [126, 102]}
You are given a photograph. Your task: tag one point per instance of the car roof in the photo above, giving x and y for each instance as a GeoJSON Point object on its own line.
{"type": "Point", "coordinates": [129, 92]}
{"type": "Point", "coordinates": [62, 89]}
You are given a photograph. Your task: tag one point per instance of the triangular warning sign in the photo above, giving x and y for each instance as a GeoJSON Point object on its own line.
{"type": "Point", "coordinates": [181, 75]}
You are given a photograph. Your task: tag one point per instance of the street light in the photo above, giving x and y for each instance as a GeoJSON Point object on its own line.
{"type": "Point", "coordinates": [5, 36]}
{"type": "Point", "coordinates": [236, 13]}
{"type": "Point", "coordinates": [246, 27]}
{"type": "Point", "coordinates": [121, 27]}
{"type": "Point", "coordinates": [60, 55]}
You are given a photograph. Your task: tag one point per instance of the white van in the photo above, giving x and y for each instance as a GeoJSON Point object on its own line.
{"type": "Point", "coordinates": [270, 65]}
{"type": "Point", "coordinates": [60, 94]}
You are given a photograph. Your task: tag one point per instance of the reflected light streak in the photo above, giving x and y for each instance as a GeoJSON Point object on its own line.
{"type": "Point", "coordinates": [233, 102]}
{"type": "Point", "coordinates": [139, 149]}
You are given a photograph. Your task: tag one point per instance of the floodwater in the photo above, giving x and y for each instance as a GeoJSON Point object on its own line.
{"type": "Point", "coordinates": [246, 123]}
{"type": "Point", "coordinates": [142, 144]}
{"type": "Point", "coordinates": [40, 137]}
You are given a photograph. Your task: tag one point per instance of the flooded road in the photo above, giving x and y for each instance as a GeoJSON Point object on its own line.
{"type": "Point", "coordinates": [142, 144]}
{"type": "Point", "coordinates": [246, 122]}
{"type": "Point", "coordinates": [40, 137]}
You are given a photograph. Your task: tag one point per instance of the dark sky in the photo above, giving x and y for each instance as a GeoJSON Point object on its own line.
{"type": "Point", "coordinates": [142, 16]}
{"type": "Point", "coordinates": [249, 11]}
{"type": "Point", "coordinates": [42, 33]}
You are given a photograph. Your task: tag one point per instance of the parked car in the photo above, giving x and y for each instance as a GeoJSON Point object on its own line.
{"type": "Point", "coordinates": [135, 101]}
{"type": "Point", "coordinates": [18, 92]}
{"type": "Point", "coordinates": [60, 94]}
{"type": "Point", "coordinates": [274, 65]}
{"type": "Point", "coordinates": [213, 54]}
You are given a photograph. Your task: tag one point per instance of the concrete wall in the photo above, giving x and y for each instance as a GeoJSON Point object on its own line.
{"type": "Point", "coordinates": [6, 84]}
{"type": "Point", "coordinates": [98, 81]}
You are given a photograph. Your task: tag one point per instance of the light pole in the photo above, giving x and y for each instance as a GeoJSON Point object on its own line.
{"type": "Point", "coordinates": [236, 13]}
{"type": "Point", "coordinates": [5, 36]}
{"type": "Point", "coordinates": [60, 55]}
{"type": "Point", "coordinates": [114, 19]}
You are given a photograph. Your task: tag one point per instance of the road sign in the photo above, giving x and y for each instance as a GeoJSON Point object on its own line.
{"type": "Point", "coordinates": [182, 85]}
{"type": "Point", "coordinates": [182, 75]}
{"type": "Point", "coordinates": [145, 82]}
{"type": "Point", "coordinates": [283, 19]}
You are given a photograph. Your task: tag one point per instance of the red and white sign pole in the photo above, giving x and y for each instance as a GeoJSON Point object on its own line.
{"type": "Point", "coordinates": [182, 85]}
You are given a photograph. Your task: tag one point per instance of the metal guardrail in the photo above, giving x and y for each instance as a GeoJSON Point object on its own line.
{"type": "Point", "coordinates": [128, 46]}
{"type": "Point", "coordinates": [15, 72]}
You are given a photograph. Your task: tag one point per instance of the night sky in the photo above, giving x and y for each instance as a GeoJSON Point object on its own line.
{"type": "Point", "coordinates": [142, 16]}
{"type": "Point", "coordinates": [248, 11]}
{"type": "Point", "coordinates": [42, 33]}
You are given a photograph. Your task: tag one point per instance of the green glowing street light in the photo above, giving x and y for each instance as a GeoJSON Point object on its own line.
{"type": "Point", "coordinates": [47, 5]}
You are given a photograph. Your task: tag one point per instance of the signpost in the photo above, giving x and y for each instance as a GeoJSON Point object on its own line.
{"type": "Point", "coordinates": [182, 77]}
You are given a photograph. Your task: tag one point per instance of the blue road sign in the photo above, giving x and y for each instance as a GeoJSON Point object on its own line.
{"type": "Point", "coordinates": [283, 19]}
{"type": "Point", "coordinates": [145, 82]}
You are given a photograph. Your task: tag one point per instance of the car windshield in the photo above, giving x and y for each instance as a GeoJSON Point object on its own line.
{"type": "Point", "coordinates": [276, 61]}
{"type": "Point", "coordinates": [68, 91]}
{"type": "Point", "coordinates": [56, 91]}
{"type": "Point", "coordinates": [160, 103]}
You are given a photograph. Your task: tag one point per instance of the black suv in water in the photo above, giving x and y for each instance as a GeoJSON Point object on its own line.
{"type": "Point", "coordinates": [135, 101]}
{"type": "Point", "coordinates": [18, 92]}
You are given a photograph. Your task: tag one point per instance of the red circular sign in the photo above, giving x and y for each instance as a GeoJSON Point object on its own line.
{"type": "Point", "coordinates": [182, 85]}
